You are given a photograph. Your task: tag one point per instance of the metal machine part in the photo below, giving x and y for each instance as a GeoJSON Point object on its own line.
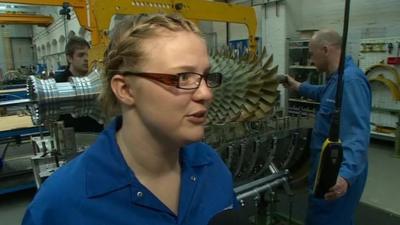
{"type": "Point", "coordinates": [250, 148]}
{"type": "Point", "coordinates": [249, 88]}
{"type": "Point", "coordinates": [259, 186]}
{"type": "Point", "coordinates": [260, 196]}
{"type": "Point", "coordinates": [75, 97]}
{"type": "Point", "coordinates": [51, 152]}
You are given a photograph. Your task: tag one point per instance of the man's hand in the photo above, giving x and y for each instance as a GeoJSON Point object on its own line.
{"type": "Point", "coordinates": [289, 83]}
{"type": "Point", "coordinates": [338, 190]}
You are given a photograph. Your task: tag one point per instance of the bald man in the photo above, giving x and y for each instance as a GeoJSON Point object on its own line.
{"type": "Point", "coordinates": [340, 203]}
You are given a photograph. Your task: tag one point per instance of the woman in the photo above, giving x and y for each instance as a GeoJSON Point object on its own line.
{"type": "Point", "coordinates": [147, 167]}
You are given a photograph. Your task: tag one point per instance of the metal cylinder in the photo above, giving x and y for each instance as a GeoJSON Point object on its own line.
{"type": "Point", "coordinates": [74, 97]}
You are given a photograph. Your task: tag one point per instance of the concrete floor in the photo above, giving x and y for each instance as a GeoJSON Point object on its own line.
{"type": "Point", "coordinates": [383, 181]}
{"type": "Point", "coordinates": [380, 201]}
{"type": "Point", "coordinates": [12, 206]}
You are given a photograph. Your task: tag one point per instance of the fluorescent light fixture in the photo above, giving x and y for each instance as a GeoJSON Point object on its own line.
{"type": "Point", "coordinates": [3, 7]}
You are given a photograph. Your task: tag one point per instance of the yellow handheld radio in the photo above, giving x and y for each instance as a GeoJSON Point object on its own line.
{"type": "Point", "coordinates": [329, 162]}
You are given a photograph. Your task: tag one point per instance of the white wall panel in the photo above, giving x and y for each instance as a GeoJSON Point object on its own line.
{"type": "Point", "coordinates": [368, 18]}
{"type": "Point", "coordinates": [6, 33]}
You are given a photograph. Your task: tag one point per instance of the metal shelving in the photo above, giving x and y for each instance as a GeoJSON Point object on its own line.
{"type": "Point", "coordinates": [301, 69]}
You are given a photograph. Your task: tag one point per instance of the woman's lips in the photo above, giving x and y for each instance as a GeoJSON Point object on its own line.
{"type": "Point", "coordinates": [199, 117]}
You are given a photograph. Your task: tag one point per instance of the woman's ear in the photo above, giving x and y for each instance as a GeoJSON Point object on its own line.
{"type": "Point", "coordinates": [122, 90]}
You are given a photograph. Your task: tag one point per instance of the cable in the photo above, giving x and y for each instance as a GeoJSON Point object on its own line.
{"type": "Point", "coordinates": [334, 131]}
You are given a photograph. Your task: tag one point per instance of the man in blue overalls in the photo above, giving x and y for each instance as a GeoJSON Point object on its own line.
{"type": "Point", "coordinates": [340, 203]}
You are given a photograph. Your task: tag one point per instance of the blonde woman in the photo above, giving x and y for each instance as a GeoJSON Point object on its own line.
{"type": "Point", "coordinates": [148, 166]}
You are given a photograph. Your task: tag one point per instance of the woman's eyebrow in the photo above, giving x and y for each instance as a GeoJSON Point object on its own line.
{"type": "Point", "coordinates": [192, 69]}
{"type": "Point", "coordinates": [207, 70]}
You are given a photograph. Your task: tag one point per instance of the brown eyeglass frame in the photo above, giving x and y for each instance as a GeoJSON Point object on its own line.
{"type": "Point", "coordinates": [171, 79]}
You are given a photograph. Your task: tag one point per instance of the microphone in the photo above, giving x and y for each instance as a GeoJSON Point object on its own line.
{"type": "Point", "coordinates": [230, 217]}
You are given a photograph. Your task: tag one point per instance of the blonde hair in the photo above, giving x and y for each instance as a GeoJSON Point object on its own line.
{"type": "Point", "coordinates": [125, 51]}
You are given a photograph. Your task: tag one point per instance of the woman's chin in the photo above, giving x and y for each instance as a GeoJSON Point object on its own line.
{"type": "Point", "coordinates": [194, 135]}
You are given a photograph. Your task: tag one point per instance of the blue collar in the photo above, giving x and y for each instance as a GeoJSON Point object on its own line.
{"type": "Point", "coordinates": [107, 171]}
